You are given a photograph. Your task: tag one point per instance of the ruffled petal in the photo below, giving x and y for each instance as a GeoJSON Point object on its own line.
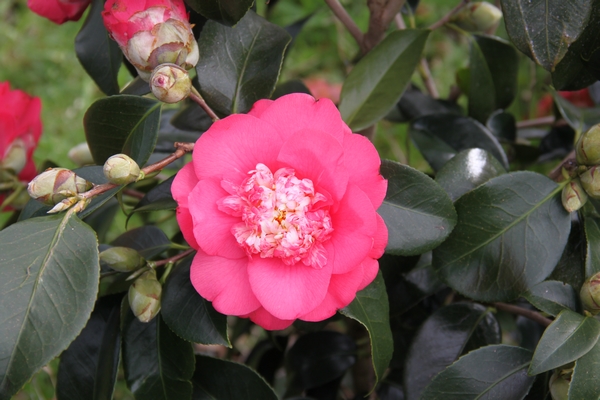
{"type": "Point", "coordinates": [186, 225]}
{"type": "Point", "coordinates": [360, 153]}
{"type": "Point", "coordinates": [259, 107]}
{"type": "Point", "coordinates": [380, 239]}
{"type": "Point", "coordinates": [265, 319]}
{"type": "Point", "coordinates": [183, 184]}
{"type": "Point", "coordinates": [370, 268]}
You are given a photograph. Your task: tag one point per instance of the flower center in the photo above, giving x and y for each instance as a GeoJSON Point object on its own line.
{"type": "Point", "coordinates": [281, 216]}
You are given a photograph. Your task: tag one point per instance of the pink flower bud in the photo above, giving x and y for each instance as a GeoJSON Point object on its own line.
{"type": "Point", "coordinates": [59, 11]}
{"type": "Point", "coordinates": [152, 32]}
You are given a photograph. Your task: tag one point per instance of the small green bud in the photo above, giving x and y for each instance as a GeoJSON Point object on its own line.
{"type": "Point", "coordinates": [590, 294]}
{"type": "Point", "coordinates": [56, 184]}
{"type": "Point", "coordinates": [16, 157]}
{"type": "Point", "coordinates": [81, 154]}
{"type": "Point", "coordinates": [170, 83]}
{"type": "Point", "coordinates": [560, 381]}
{"type": "Point", "coordinates": [120, 169]}
{"type": "Point", "coordinates": [477, 17]}
{"type": "Point", "coordinates": [123, 259]}
{"type": "Point", "coordinates": [587, 148]}
{"type": "Point", "coordinates": [590, 180]}
{"type": "Point", "coordinates": [144, 296]}
{"type": "Point", "coordinates": [573, 196]}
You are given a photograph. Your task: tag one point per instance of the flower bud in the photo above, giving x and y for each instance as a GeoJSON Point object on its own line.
{"type": "Point", "coordinates": [590, 294]}
{"type": "Point", "coordinates": [170, 83]}
{"type": "Point", "coordinates": [587, 149]}
{"type": "Point", "coordinates": [477, 17]}
{"type": "Point", "coordinates": [56, 184]}
{"type": "Point", "coordinates": [560, 381]}
{"type": "Point", "coordinates": [144, 296]}
{"type": "Point", "coordinates": [15, 157]}
{"type": "Point", "coordinates": [81, 154]}
{"type": "Point", "coordinates": [590, 180]}
{"type": "Point", "coordinates": [122, 259]}
{"type": "Point", "coordinates": [120, 169]}
{"type": "Point", "coordinates": [573, 196]}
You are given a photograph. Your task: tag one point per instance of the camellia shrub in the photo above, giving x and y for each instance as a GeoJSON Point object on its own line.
{"type": "Point", "coordinates": [275, 254]}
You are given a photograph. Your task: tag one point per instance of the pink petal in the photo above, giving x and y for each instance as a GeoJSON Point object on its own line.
{"type": "Point", "coordinates": [360, 153]}
{"type": "Point", "coordinates": [224, 282]}
{"type": "Point", "coordinates": [183, 184]}
{"type": "Point", "coordinates": [233, 146]}
{"type": "Point", "coordinates": [212, 227]}
{"type": "Point", "coordinates": [380, 239]}
{"type": "Point", "coordinates": [319, 157]}
{"type": "Point", "coordinates": [298, 111]}
{"type": "Point", "coordinates": [259, 107]}
{"type": "Point", "coordinates": [186, 225]}
{"type": "Point", "coordinates": [370, 267]}
{"type": "Point", "coordinates": [354, 226]}
{"type": "Point", "coordinates": [263, 318]}
{"type": "Point", "coordinates": [288, 291]}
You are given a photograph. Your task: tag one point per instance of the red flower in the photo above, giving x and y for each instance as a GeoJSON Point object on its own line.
{"type": "Point", "coordinates": [281, 206]}
{"type": "Point", "coordinates": [59, 11]}
{"type": "Point", "coordinates": [152, 32]}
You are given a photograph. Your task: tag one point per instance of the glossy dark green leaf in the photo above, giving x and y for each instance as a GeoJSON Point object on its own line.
{"type": "Point", "coordinates": [214, 378]}
{"type": "Point", "coordinates": [439, 137]}
{"type": "Point", "coordinates": [580, 119]}
{"type": "Point", "coordinates": [502, 125]}
{"type": "Point", "coordinates": [158, 364]}
{"type": "Point", "coordinates": [571, 267]}
{"type": "Point", "coordinates": [49, 273]}
{"type": "Point", "coordinates": [414, 104]}
{"type": "Point", "coordinates": [467, 170]}
{"type": "Point", "coordinates": [293, 86]}
{"type": "Point", "coordinates": [418, 213]}
{"type": "Point", "coordinates": [122, 124]}
{"type": "Point", "coordinates": [569, 337]}
{"type": "Point", "coordinates": [158, 198]}
{"type": "Point", "coordinates": [187, 313]}
{"type": "Point", "coordinates": [491, 372]}
{"type": "Point", "coordinates": [227, 12]}
{"type": "Point", "coordinates": [148, 240]}
{"type": "Point", "coordinates": [552, 297]}
{"type": "Point", "coordinates": [510, 235]}
{"type": "Point", "coordinates": [240, 65]}
{"type": "Point", "coordinates": [377, 81]}
{"type": "Point", "coordinates": [446, 335]}
{"type": "Point", "coordinates": [191, 118]}
{"type": "Point", "coordinates": [88, 368]}
{"type": "Point", "coordinates": [97, 52]}
{"type": "Point", "coordinates": [591, 223]}
{"type": "Point", "coordinates": [544, 30]}
{"type": "Point", "coordinates": [137, 87]}
{"type": "Point", "coordinates": [585, 381]}
{"type": "Point", "coordinates": [371, 309]}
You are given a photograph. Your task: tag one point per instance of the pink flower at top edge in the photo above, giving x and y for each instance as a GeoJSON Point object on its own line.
{"type": "Point", "coordinates": [59, 11]}
{"type": "Point", "coordinates": [281, 205]}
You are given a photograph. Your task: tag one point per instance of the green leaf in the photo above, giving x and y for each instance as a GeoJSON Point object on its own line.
{"type": "Point", "coordinates": [510, 235]}
{"type": "Point", "coordinates": [122, 124]}
{"type": "Point", "coordinates": [240, 65]}
{"type": "Point", "coordinates": [591, 223]}
{"type": "Point", "coordinates": [580, 119]}
{"type": "Point", "coordinates": [49, 272]}
{"type": "Point", "coordinates": [585, 381]}
{"type": "Point", "coordinates": [148, 240]}
{"type": "Point", "coordinates": [227, 12]}
{"type": "Point", "coordinates": [414, 104]}
{"type": "Point", "coordinates": [467, 170]}
{"type": "Point", "coordinates": [491, 372]}
{"type": "Point", "coordinates": [552, 297]}
{"type": "Point", "coordinates": [569, 337]}
{"type": "Point", "coordinates": [226, 380]}
{"type": "Point", "coordinates": [371, 309]}
{"type": "Point", "coordinates": [99, 55]}
{"type": "Point", "coordinates": [158, 198]}
{"type": "Point", "coordinates": [187, 313]}
{"type": "Point", "coordinates": [439, 137]}
{"type": "Point", "coordinates": [544, 30]}
{"type": "Point", "coordinates": [377, 81]}
{"type": "Point", "coordinates": [88, 368]}
{"type": "Point", "coordinates": [418, 213]}
{"type": "Point", "coordinates": [447, 334]}
{"type": "Point", "coordinates": [158, 365]}
{"type": "Point", "coordinates": [503, 125]}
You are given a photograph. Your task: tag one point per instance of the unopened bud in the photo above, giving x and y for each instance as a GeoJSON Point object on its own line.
{"type": "Point", "coordinates": [144, 296]}
{"type": "Point", "coordinates": [590, 180]}
{"type": "Point", "coordinates": [587, 149]}
{"type": "Point", "coordinates": [170, 83]}
{"type": "Point", "coordinates": [81, 154]}
{"type": "Point", "coordinates": [590, 294]}
{"type": "Point", "coordinates": [477, 17]}
{"type": "Point", "coordinates": [16, 156]}
{"type": "Point", "coordinates": [559, 383]}
{"type": "Point", "coordinates": [56, 184]}
{"type": "Point", "coordinates": [121, 169]}
{"type": "Point", "coordinates": [122, 259]}
{"type": "Point", "coordinates": [573, 196]}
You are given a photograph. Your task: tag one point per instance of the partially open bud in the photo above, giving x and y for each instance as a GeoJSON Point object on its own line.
{"type": "Point", "coordinates": [121, 169]}
{"type": "Point", "coordinates": [15, 157]}
{"type": "Point", "coordinates": [590, 180]}
{"type": "Point", "coordinates": [559, 384]}
{"type": "Point", "coordinates": [144, 296]}
{"type": "Point", "coordinates": [170, 83]}
{"type": "Point", "coordinates": [590, 294]}
{"type": "Point", "coordinates": [81, 154]}
{"type": "Point", "coordinates": [122, 259]}
{"type": "Point", "coordinates": [587, 149]}
{"type": "Point", "coordinates": [573, 196]}
{"type": "Point", "coordinates": [56, 184]}
{"type": "Point", "coordinates": [477, 17]}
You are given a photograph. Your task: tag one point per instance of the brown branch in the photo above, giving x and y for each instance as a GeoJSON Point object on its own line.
{"type": "Point", "coordinates": [382, 12]}
{"type": "Point", "coordinates": [568, 162]}
{"type": "Point", "coordinates": [442, 21]}
{"type": "Point", "coordinates": [532, 315]}
{"type": "Point", "coordinates": [195, 95]}
{"type": "Point", "coordinates": [178, 257]}
{"type": "Point", "coordinates": [340, 12]}
{"type": "Point", "coordinates": [530, 123]}
{"type": "Point", "coordinates": [428, 79]}
{"type": "Point", "coordinates": [134, 193]}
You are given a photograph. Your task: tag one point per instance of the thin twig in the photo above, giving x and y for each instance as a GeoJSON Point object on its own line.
{"type": "Point", "coordinates": [392, 9]}
{"type": "Point", "coordinates": [532, 315]}
{"type": "Point", "coordinates": [195, 95]}
{"type": "Point", "coordinates": [340, 12]}
{"type": "Point", "coordinates": [178, 257]}
{"type": "Point", "coordinates": [428, 79]}
{"type": "Point", "coordinates": [134, 193]}
{"type": "Point", "coordinates": [442, 21]}
{"type": "Point", "coordinates": [399, 21]}
{"type": "Point", "coordinates": [531, 123]}
{"type": "Point", "coordinates": [568, 162]}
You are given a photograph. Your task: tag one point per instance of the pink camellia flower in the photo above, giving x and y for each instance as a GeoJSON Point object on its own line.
{"type": "Point", "coordinates": [281, 206]}
{"type": "Point", "coordinates": [59, 11]}
{"type": "Point", "coordinates": [152, 32]}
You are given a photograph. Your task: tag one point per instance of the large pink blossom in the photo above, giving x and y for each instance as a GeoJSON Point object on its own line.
{"type": "Point", "coordinates": [281, 206]}
{"type": "Point", "coordinates": [59, 11]}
